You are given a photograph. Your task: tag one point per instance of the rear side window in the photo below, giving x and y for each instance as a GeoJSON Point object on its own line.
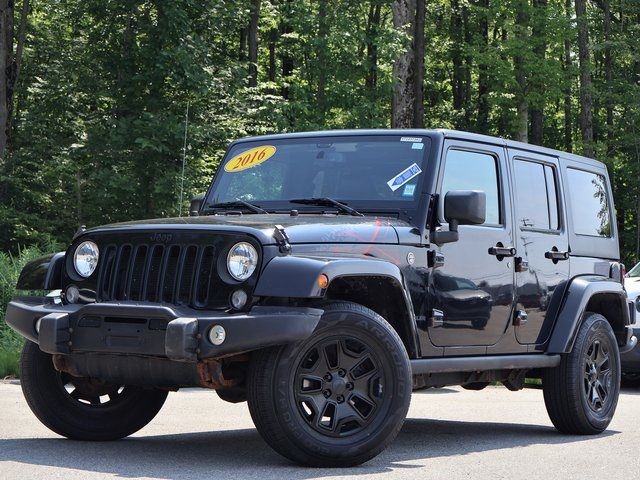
{"type": "Point", "coordinates": [589, 203]}
{"type": "Point", "coordinates": [474, 171]}
{"type": "Point", "coordinates": [537, 196]}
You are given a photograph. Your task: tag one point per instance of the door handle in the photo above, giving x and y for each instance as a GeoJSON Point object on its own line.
{"type": "Point", "coordinates": [501, 252]}
{"type": "Point", "coordinates": [555, 255]}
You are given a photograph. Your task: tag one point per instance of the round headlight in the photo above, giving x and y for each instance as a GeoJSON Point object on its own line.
{"type": "Point", "coordinates": [242, 260]}
{"type": "Point", "coordinates": [85, 260]}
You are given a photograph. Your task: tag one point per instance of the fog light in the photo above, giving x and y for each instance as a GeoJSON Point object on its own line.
{"type": "Point", "coordinates": [238, 299]}
{"type": "Point", "coordinates": [37, 326]}
{"type": "Point", "coordinates": [72, 294]}
{"type": "Point", "coordinates": [217, 335]}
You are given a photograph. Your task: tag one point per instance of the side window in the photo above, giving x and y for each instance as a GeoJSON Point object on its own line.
{"type": "Point", "coordinates": [474, 171]}
{"type": "Point", "coordinates": [537, 196]}
{"type": "Point", "coordinates": [589, 203]}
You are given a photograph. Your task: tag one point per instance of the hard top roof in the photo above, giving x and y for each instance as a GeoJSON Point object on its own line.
{"type": "Point", "coordinates": [444, 133]}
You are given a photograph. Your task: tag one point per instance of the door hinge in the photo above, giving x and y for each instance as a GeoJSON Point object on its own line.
{"type": "Point", "coordinates": [435, 259]}
{"type": "Point", "coordinates": [522, 265]}
{"type": "Point", "coordinates": [282, 239]}
{"type": "Point", "coordinates": [436, 319]}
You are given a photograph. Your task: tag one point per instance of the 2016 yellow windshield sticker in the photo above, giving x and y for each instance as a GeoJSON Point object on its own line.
{"type": "Point", "coordinates": [250, 158]}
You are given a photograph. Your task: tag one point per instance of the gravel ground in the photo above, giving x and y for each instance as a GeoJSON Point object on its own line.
{"type": "Point", "coordinates": [450, 433]}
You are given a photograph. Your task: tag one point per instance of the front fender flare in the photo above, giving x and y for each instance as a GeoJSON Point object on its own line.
{"type": "Point", "coordinates": [44, 273]}
{"type": "Point", "coordinates": [577, 296]}
{"type": "Point", "coordinates": [297, 277]}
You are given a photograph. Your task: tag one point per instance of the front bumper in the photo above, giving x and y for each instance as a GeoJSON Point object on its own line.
{"type": "Point", "coordinates": [154, 330]}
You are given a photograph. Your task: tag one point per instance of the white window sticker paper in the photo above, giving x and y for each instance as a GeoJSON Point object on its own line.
{"type": "Point", "coordinates": [411, 139]}
{"type": "Point", "coordinates": [403, 177]}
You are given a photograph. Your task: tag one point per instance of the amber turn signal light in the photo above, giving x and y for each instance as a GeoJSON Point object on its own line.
{"type": "Point", "coordinates": [323, 281]}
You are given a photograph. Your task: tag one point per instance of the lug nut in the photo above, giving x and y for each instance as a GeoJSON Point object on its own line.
{"type": "Point", "coordinates": [328, 377]}
{"type": "Point", "coordinates": [326, 393]}
{"type": "Point", "coordinates": [341, 372]}
{"type": "Point", "coordinates": [349, 386]}
{"type": "Point", "coordinates": [340, 399]}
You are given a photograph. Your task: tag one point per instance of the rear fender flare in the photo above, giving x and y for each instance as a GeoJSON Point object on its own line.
{"type": "Point", "coordinates": [581, 295]}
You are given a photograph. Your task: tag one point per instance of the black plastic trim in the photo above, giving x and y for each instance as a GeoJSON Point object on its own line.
{"type": "Point", "coordinates": [184, 339]}
{"type": "Point", "coordinates": [483, 363]}
{"type": "Point", "coordinates": [44, 273]}
{"type": "Point", "coordinates": [577, 296]}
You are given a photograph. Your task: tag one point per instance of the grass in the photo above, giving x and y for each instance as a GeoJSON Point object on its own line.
{"type": "Point", "coordinates": [11, 342]}
{"type": "Point", "coordinates": [9, 363]}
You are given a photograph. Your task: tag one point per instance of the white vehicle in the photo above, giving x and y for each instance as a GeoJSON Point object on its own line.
{"type": "Point", "coordinates": [631, 359]}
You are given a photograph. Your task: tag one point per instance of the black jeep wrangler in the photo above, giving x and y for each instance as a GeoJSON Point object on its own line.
{"type": "Point", "coordinates": [323, 277]}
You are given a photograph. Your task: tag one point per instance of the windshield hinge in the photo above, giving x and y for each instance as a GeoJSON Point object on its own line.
{"type": "Point", "coordinates": [283, 240]}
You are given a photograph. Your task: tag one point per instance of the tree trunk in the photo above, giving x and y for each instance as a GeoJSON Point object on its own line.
{"type": "Point", "coordinates": [253, 43]}
{"type": "Point", "coordinates": [404, 66]}
{"type": "Point", "coordinates": [287, 59]}
{"type": "Point", "coordinates": [586, 98]}
{"type": "Point", "coordinates": [371, 79]}
{"type": "Point", "coordinates": [539, 36]}
{"type": "Point", "coordinates": [418, 86]}
{"type": "Point", "coordinates": [482, 123]}
{"type": "Point", "coordinates": [522, 25]}
{"type": "Point", "coordinates": [467, 35]}
{"type": "Point", "coordinates": [323, 31]}
{"type": "Point", "coordinates": [242, 47]}
{"type": "Point", "coordinates": [568, 108]}
{"type": "Point", "coordinates": [273, 38]}
{"type": "Point", "coordinates": [6, 51]}
{"type": "Point", "coordinates": [608, 72]}
{"type": "Point", "coordinates": [457, 39]}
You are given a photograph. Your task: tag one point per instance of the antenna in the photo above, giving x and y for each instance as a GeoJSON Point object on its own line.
{"type": "Point", "coordinates": [184, 158]}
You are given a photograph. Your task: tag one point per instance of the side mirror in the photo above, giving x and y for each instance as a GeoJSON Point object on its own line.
{"type": "Point", "coordinates": [196, 204]}
{"type": "Point", "coordinates": [461, 207]}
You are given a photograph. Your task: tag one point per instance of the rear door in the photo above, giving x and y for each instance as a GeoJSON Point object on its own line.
{"type": "Point", "coordinates": [474, 289]}
{"type": "Point", "coordinates": [541, 241]}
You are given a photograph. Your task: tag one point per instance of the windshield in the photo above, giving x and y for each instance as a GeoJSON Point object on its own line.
{"type": "Point", "coordinates": [635, 271]}
{"type": "Point", "coordinates": [372, 172]}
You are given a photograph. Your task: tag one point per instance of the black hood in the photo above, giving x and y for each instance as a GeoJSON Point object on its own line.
{"type": "Point", "coordinates": [299, 229]}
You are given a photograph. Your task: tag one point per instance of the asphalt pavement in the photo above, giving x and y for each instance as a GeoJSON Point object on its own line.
{"type": "Point", "coordinates": [449, 434]}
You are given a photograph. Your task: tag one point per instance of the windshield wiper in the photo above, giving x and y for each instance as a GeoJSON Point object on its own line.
{"type": "Point", "coordinates": [328, 202]}
{"type": "Point", "coordinates": [237, 204]}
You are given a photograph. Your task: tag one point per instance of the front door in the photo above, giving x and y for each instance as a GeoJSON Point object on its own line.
{"type": "Point", "coordinates": [542, 242]}
{"type": "Point", "coordinates": [472, 294]}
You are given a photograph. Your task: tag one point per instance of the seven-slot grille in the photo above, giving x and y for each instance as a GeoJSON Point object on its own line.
{"type": "Point", "coordinates": [175, 274]}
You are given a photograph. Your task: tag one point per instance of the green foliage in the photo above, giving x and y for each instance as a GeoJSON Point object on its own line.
{"type": "Point", "coordinates": [11, 342]}
{"type": "Point", "coordinates": [99, 122]}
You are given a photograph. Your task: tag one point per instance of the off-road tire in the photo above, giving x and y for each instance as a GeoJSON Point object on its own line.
{"type": "Point", "coordinates": [568, 389]}
{"type": "Point", "coordinates": [126, 409]}
{"type": "Point", "coordinates": [291, 430]}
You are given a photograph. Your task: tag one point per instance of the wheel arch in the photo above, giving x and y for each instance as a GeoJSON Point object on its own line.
{"type": "Point", "coordinates": [373, 283]}
{"type": "Point", "coordinates": [44, 273]}
{"type": "Point", "coordinates": [590, 293]}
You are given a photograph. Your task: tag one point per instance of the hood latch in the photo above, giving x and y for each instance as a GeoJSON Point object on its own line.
{"type": "Point", "coordinates": [283, 240]}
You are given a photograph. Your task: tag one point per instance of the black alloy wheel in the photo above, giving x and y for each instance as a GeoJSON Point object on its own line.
{"type": "Point", "coordinates": [597, 375]}
{"type": "Point", "coordinates": [339, 385]}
